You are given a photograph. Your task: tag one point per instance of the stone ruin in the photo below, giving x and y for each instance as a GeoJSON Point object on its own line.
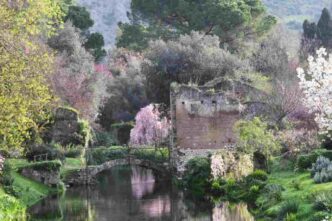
{"type": "Point", "coordinates": [203, 118]}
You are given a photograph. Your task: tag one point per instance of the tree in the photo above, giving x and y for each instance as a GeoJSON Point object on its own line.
{"type": "Point", "coordinates": [126, 89]}
{"type": "Point", "coordinates": [316, 85]}
{"type": "Point", "coordinates": [95, 44]}
{"type": "Point", "coordinates": [227, 19]}
{"type": "Point", "coordinates": [75, 80]}
{"type": "Point", "coordinates": [309, 29]}
{"type": "Point", "coordinates": [254, 136]}
{"type": "Point", "coordinates": [25, 98]}
{"type": "Point", "coordinates": [324, 28]}
{"type": "Point", "coordinates": [271, 59]}
{"type": "Point", "coordinates": [195, 58]}
{"type": "Point", "coordinates": [150, 127]}
{"type": "Point", "coordinates": [80, 17]}
{"type": "Point", "coordinates": [316, 36]}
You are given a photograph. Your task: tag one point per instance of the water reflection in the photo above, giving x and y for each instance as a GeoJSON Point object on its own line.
{"type": "Point", "coordinates": [130, 194]}
{"type": "Point", "coordinates": [142, 182]}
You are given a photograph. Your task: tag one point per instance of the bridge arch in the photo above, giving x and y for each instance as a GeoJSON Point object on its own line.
{"type": "Point", "coordinates": [161, 170]}
{"type": "Point", "coordinates": [88, 175]}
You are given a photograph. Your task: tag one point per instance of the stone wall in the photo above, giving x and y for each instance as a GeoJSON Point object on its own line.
{"type": "Point", "coordinates": [203, 118]}
{"type": "Point", "coordinates": [47, 177]}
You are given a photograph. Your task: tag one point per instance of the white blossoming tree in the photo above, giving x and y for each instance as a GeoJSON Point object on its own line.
{"type": "Point", "coordinates": [2, 162]}
{"type": "Point", "coordinates": [316, 84]}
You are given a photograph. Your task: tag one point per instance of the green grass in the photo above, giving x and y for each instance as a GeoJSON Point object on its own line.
{"type": "Point", "coordinates": [70, 165]}
{"type": "Point", "coordinates": [304, 192]}
{"type": "Point", "coordinates": [29, 191]}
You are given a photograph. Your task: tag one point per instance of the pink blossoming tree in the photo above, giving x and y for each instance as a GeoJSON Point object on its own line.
{"type": "Point", "coordinates": [150, 128]}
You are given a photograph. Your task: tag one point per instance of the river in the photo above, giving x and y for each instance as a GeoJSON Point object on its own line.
{"type": "Point", "coordinates": [132, 194]}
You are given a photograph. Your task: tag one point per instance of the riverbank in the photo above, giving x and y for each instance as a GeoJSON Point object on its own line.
{"type": "Point", "coordinates": [22, 192]}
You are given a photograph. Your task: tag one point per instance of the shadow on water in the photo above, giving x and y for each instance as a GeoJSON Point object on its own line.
{"type": "Point", "coordinates": [130, 194]}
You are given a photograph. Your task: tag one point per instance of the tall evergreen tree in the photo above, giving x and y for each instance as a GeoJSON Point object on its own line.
{"type": "Point", "coordinates": [309, 29]}
{"type": "Point", "coordinates": [230, 20]}
{"type": "Point", "coordinates": [324, 28]}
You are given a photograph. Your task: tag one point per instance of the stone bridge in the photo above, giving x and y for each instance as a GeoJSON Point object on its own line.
{"type": "Point", "coordinates": [88, 175]}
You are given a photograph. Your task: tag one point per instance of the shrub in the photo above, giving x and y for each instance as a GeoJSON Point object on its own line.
{"type": "Point", "coordinates": [101, 155]}
{"type": "Point", "coordinates": [53, 152]}
{"type": "Point", "coordinates": [270, 195]}
{"type": "Point", "coordinates": [322, 170]}
{"type": "Point", "coordinates": [291, 217]}
{"type": "Point", "coordinates": [323, 202]}
{"type": "Point", "coordinates": [305, 161]}
{"type": "Point", "coordinates": [274, 191]}
{"type": "Point", "coordinates": [105, 139]}
{"type": "Point", "coordinates": [45, 166]}
{"type": "Point", "coordinates": [7, 180]}
{"type": "Point", "coordinates": [321, 216]}
{"type": "Point", "coordinates": [197, 175]}
{"type": "Point", "coordinates": [289, 207]}
{"type": "Point", "coordinates": [296, 184]}
{"type": "Point", "coordinates": [85, 130]}
{"type": "Point", "coordinates": [254, 136]}
{"type": "Point", "coordinates": [11, 209]}
{"type": "Point", "coordinates": [258, 177]}
{"type": "Point", "coordinates": [72, 151]}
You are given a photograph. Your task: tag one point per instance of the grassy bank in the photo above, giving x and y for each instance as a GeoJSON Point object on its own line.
{"type": "Point", "coordinates": [27, 191]}
{"type": "Point", "coordinates": [300, 189]}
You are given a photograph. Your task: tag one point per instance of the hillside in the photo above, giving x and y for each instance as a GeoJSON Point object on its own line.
{"type": "Point", "coordinates": [293, 12]}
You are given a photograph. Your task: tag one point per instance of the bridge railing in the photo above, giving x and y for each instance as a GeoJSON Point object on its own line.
{"type": "Point", "coordinates": [97, 156]}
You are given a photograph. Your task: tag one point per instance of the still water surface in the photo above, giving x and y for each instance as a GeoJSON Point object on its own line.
{"type": "Point", "coordinates": [131, 194]}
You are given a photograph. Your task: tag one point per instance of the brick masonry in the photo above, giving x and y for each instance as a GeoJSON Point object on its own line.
{"type": "Point", "coordinates": [203, 118]}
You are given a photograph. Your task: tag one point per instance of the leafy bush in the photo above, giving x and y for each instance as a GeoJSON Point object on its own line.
{"type": "Point", "coordinates": [258, 175]}
{"type": "Point", "coordinates": [53, 151]}
{"type": "Point", "coordinates": [197, 175]}
{"type": "Point", "coordinates": [255, 137]}
{"type": "Point", "coordinates": [289, 207]}
{"type": "Point", "coordinates": [101, 155]}
{"type": "Point", "coordinates": [321, 216]}
{"type": "Point", "coordinates": [323, 202]}
{"type": "Point", "coordinates": [73, 151]}
{"type": "Point", "coordinates": [271, 195]}
{"type": "Point", "coordinates": [11, 209]}
{"type": "Point", "coordinates": [296, 184]}
{"type": "Point", "coordinates": [322, 170]}
{"type": "Point", "coordinates": [7, 180]}
{"type": "Point", "coordinates": [45, 166]}
{"type": "Point", "coordinates": [105, 139]}
{"type": "Point", "coordinates": [85, 130]}
{"type": "Point", "coordinates": [306, 161]}
{"type": "Point", "coordinates": [291, 217]}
